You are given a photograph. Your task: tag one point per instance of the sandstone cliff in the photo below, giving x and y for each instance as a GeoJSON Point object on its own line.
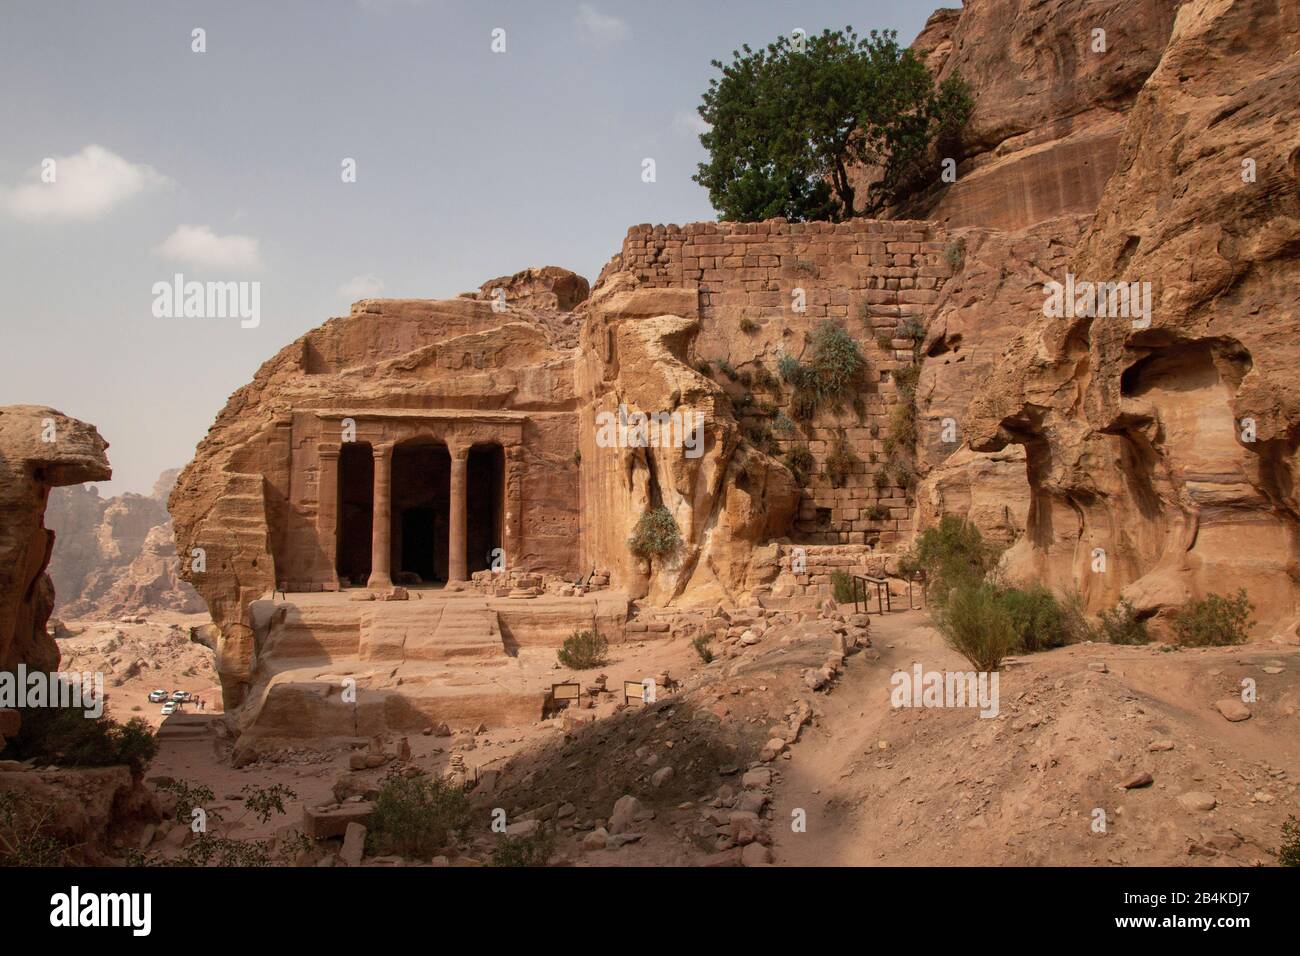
{"type": "Point", "coordinates": [40, 449]}
{"type": "Point", "coordinates": [1170, 450]}
{"type": "Point", "coordinates": [115, 556]}
{"type": "Point", "coordinates": [1051, 106]}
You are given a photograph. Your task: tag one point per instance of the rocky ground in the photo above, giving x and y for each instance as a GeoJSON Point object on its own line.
{"type": "Point", "coordinates": [786, 749]}
{"type": "Point", "coordinates": [139, 653]}
{"type": "Point", "coordinates": [1133, 733]}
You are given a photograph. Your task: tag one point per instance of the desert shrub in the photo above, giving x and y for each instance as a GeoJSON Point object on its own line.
{"type": "Point", "coordinates": [27, 836]}
{"type": "Point", "coordinates": [727, 369]}
{"type": "Point", "coordinates": [655, 535]}
{"type": "Point", "coordinates": [1214, 621]}
{"type": "Point", "coordinates": [783, 423]}
{"type": "Point", "coordinates": [532, 850]}
{"type": "Point", "coordinates": [761, 437]}
{"type": "Point", "coordinates": [842, 587]}
{"type": "Point", "coordinates": [902, 428]}
{"type": "Point", "coordinates": [748, 325]}
{"type": "Point", "coordinates": [885, 342]}
{"type": "Point", "coordinates": [831, 375]}
{"type": "Point", "coordinates": [1288, 854]}
{"type": "Point", "coordinates": [67, 737]}
{"type": "Point", "coordinates": [416, 816]}
{"type": "Point", "coordinates": [906, 378]}
{"type": "Point", "coordinates": [805, 267]}
{"type": "Point", "coordinates": [880, 479]}
{"type": "Point", "coordinates": [704, 648]}
{"type": "Point", "coordinates": [800, 461]}
{"type": "Point", "coordinates": [951, 553]}
{"type": "Point", "coordinates": [703, 366]}
{"type": "Point", "coordinates": [904, 473]}
{"type": "Point", "coordinates": [955, 254]}
{"type": "Point", "coordinates": [910, 328]}
{"type": "Point", "coordinates": [584, 650]}
{"type": "Point", "coordinates": [1037, 618]}
{"type": "Point", "coordinates": [1122, 626]}
{"type": "Point", "coordinates": [977, 625]}
{"type": "Point", "coordinates": [764, 378]}
{"type": "Point", "coordinates": [878, 512]}
{"type": "Point", "coordinates": [743, 400]}
{"type": "Point", "coordinates": [839, 463]}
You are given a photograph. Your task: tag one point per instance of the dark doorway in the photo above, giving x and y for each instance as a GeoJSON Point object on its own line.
{"type": "Point", "coordinates": [355, 512]}
{"type": "Point", "coordinates": [484, 504]}
{"type": "Point", "coordinates": [421, 491]}
{"type": "Point", "coordinates": [419, 543]}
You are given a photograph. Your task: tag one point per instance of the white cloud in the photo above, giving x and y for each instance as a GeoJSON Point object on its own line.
{"type": "Point", "coordinates": [200, 246]}
{"type": "Point", "coordinates": [690, 122]}
{"type": "Point", "coordinates": [86, 185]}
{"type": "Point", "coordinates": [599, 29]}
{"type": "Point", "coordinates": [367, 286]}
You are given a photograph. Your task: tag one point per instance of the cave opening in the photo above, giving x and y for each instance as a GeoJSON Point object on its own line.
{"type": "Point", "coordinates": [356, 493]}
{"type": "Point", "coordinates": [484, 505]}
{"type": "Point", "coordinates": [421, 494]}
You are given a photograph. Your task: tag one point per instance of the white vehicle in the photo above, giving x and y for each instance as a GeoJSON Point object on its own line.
{"type": "Point", "coordinates": [157, 696]}
{"type": "Point", "coordinates": [180, 695]}
{"type": "Point", "coordinates": [169, 708]}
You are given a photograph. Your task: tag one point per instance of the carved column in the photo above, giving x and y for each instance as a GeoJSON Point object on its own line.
{"type": "Point", "coordinates": [381, 529]}
{"type": "Point", "coordinates": [512, 532]}
{"type": "Point", "coordinates": [457, 516]}
{"type": "Point", "coordinates": [327, 515]}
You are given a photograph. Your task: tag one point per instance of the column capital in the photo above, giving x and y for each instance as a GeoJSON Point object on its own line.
{"type": "Point", "coordinates": [382, 450]}
{"type": "Point", "coordinates": [458, 452]}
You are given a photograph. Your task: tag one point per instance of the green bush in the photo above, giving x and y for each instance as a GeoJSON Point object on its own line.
{"type": "Point", "coordinates": [416, 816]}
{"type": "Point", "coordinates": [67, 737]}
{"type": "Point", "coordinates": [842, 587]}
{"type": "Point", "coordinates": [1037, 618]}
{"type": "Point", "coordinates": [532, 850]}
{"type": "Point", "coordinates": [951, 553]}
{"type": "Point", "coordinates": [977, 625]}
{"type": "Point", "coordinates": [704, 648]}
{"type": "Point", "coordinates": [1122, 626]}
{"type": "Point", "coordinates": [800, 461]}
{"type": "Point", "coordinates": [27, 832]}
{"type": "Point", "coordinates": [1289, 853]}
{"type": "Point", "coordinates": [748, 325]}
{"type": "Point", "coordinates": [839, 463]}
{"type": "Point", "coordinates": [655, 535]}
{"type": "Point", "coordinates": [831, 376]}
{"type": "Point", "coordinates": [1214, 621]}
{"type": "Point", "coordinates": [584, 650]}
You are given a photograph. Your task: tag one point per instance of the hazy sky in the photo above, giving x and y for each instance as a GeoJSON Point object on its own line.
{"type": "Point", "coordinates": [226, 165]}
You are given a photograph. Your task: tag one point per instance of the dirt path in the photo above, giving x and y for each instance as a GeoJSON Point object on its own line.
{"type": "Point", "coordinates": [854, 720]}
{"type": "Point", "coordinates": [1099, 755]}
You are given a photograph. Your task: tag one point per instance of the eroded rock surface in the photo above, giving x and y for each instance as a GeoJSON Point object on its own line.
{"type": "Point", "coordinates": [40, 449]}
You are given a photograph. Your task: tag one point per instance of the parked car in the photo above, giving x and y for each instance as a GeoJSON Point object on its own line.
{"type": "Point", "coordinates": [180, 695]}
{"type": "Point", "coordinates": [169, 708]}
{"type": "Point", "coordinates": [157, 696]}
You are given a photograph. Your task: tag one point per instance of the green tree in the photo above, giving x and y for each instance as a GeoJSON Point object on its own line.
{"type": "Point", "coordinates": [788, 125]}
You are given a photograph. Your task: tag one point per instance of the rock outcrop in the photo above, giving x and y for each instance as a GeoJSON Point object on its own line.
{"type": "Point", "coordinates": [1169, 450]}
{"type": "Point", "coordinates": [1051, 101]}
{"type": "Point", "coordinates": [115, 556]}
{"type": "Point", "coordinates": [40, 449]}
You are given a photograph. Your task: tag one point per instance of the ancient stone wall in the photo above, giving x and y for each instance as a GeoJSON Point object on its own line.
{"type": "Point", "coordinates": [751, 279]}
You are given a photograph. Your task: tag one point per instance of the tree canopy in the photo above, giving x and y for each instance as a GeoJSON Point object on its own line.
{"type": "Point", "coordinates": [788, 124]}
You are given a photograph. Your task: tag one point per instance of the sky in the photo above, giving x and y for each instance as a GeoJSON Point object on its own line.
{"type": "Point", "coordinates": [127, 157]}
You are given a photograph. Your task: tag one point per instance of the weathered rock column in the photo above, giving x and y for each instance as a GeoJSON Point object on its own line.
{"type": "Point", "coordinates": [327, 514]}
{"type": "Point", "coordinates": [457, 517]}
{"type": "Point", "coordinates": [381, 528]}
